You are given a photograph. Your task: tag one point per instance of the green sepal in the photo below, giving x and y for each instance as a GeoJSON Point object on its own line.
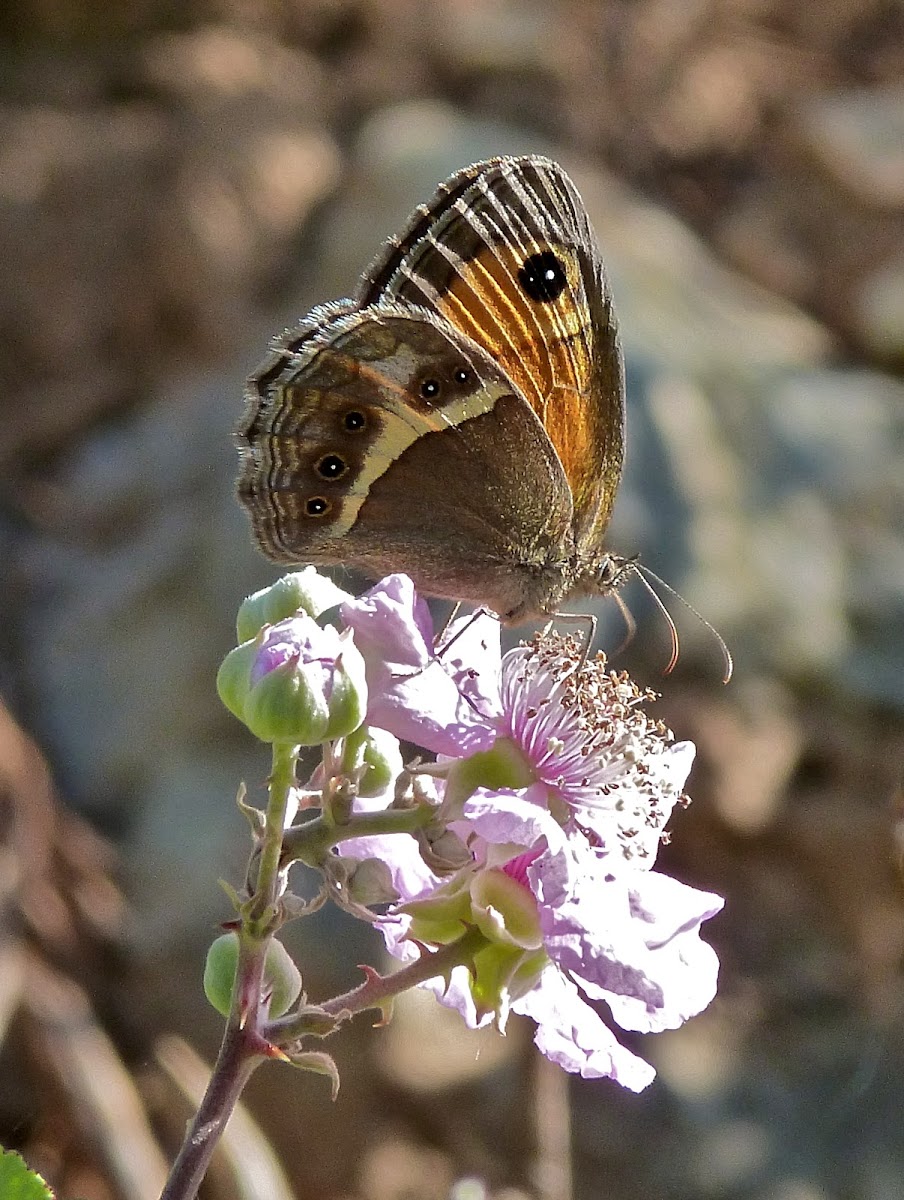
{"type": "Point", "coordinates": [504, 765]}
{"type": "Point", "coordinates": [234, 675]}
{"type": "Point", "coordinates": [320, 1064]}
{"type": "Point", "coordinates": [378, 752]}
{"type": "Point", "coordinates": [284, 706]}
{"type": "Point", "coordinates": [348, 696]}
{"type": "Point", "coordinates": [441, 917]}
{"type": "Point", "coordinates": [528, 972]}
{"type": "Point", "coordinates": [498, 976]}
{"type": "Point", "coordinates": [505, 911]}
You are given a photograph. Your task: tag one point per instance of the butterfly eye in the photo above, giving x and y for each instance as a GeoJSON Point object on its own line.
{"type": "Point", "coordinates": [354, 421]}
{"type": "Point", "coordinates": [317, 506]}
{"type": "Point", "coordinates": [543, 276]}
{"type": "Point", "coordinates": [430, 389]}
{"type": "Point", "coordinates": [331, 466]}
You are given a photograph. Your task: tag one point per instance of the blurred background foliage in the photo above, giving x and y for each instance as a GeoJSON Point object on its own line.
{"type": "Point", "coordinates": [178, 181]}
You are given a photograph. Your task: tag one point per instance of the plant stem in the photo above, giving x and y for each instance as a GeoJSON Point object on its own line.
{"type": "Point", "coordinates": [234, 1066]}
{"type": "Point", "coordinates": [243, 1047]}
{"type": "Point", "coordinates": [313, 839]}
{"type": "Point", "coordinates": [282, 778]}
{"type": "Point", "coordinates": [377, 990]}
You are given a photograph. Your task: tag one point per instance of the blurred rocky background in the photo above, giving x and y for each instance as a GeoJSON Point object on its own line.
{"type": "Point", "coordinates": [177, 181]}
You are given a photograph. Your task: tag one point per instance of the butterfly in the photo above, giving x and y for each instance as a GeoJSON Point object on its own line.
{"type": "Point", "coordinates": [462, 417]}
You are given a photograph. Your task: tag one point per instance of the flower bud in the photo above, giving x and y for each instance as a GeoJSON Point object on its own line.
{"type": "Point", "coordinates": [304, 591]}
{"type": "Point", "coordinates": [369, 881]}
{"type": "Point", "coordinates": [295, 682]}
{"type": "Point", "coordinates": [382, 762]}
{"type": "Point", "coordinates": [281, 982]}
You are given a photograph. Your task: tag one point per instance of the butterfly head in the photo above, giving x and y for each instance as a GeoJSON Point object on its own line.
{"type": "Point", "coordinates": [613, 570]}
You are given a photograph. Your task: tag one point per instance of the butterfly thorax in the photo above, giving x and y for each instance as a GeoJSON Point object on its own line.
{"type": "Point", "coordinates": [542, 590]}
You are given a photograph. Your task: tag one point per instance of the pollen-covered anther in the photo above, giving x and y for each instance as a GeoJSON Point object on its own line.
{"type": "Point", "coordinates": [586, 733]}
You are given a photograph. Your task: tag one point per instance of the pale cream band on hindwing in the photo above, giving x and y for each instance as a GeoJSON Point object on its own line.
{"type": "Point", "coordinates": [402, 424]}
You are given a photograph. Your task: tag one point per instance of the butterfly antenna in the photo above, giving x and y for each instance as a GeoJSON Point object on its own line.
{"type": "Point", "coordinates": [727, 661]}
{"type": "Point", "coordinates": [673, 630]}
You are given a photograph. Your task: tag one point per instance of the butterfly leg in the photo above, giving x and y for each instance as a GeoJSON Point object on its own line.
{"type": "Point", "coordinates": [438, 637]}
{"type": "Point", "coordinates": [478, 612]}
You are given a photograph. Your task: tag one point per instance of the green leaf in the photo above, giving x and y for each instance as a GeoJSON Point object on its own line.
{"type": "Point", "coordinates": [18, 1183]}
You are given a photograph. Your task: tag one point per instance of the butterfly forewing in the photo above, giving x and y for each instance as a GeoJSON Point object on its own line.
{"type": "Point", "coordinates": [506, 254]}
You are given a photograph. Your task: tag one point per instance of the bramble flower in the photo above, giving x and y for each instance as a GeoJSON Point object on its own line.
{"type": "Point", "coordinates": [583, 735]}
{"type": "Point", "coordinates": [536, 831]}
{"type": "Point", "coordinates": [630, 939]}
{"type": "Point", "coordinates": [559, 784]}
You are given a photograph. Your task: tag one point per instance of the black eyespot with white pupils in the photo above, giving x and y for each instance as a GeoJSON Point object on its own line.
{"type": "Point", "coordinates": [328, 467]}
{"type": "Point", "coordinates": [331, 466]}
{"type": "Point", "coordinates": [354, 421]}
{"type": "Point", "coordinates": [444, 381]}
{"type": "Point", "coordinates": [543, 276]}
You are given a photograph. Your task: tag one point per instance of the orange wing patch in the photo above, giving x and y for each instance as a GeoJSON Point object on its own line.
{"type": "Point", "coordinates": [544, 348]}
